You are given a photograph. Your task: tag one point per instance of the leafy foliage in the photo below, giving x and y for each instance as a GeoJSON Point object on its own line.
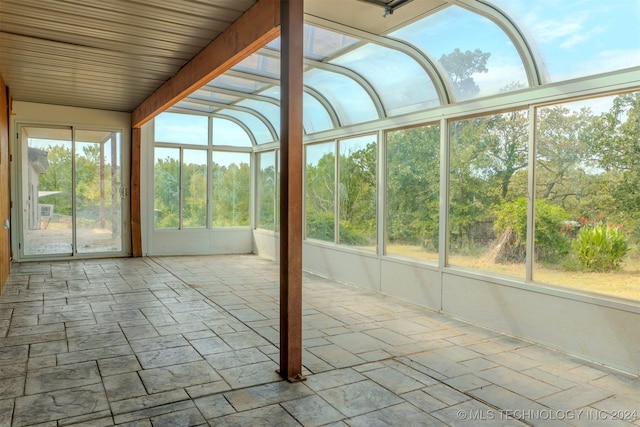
{"type": "Point", "coordinates": [600, 246]}
{"type": "Point", "coordinates": [320, 192]}
{"type": "Point", "coordinates": [58, 178]}
{"type": "Point", "coordinates": [413, 186]}
{"type": "Point", "coordinates": [231, 198]}
{"type": "Point", "coordinates": [551, 242]}
{"type": "Point", "coordinates": [357, 193]}
{"type": "Point", "coordinates": [461, 66]}
{"type": "Point", "coordinates": [231, 186]}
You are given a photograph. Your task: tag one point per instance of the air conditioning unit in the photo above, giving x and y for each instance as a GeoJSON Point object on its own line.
{"type": "Point", "coordinates": [46, 211]}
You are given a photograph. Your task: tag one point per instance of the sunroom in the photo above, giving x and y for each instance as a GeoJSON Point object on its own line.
{"type": "Point", "coordinates": [466, 160]}
{"type": "Point", "coordinates": [478, 158]}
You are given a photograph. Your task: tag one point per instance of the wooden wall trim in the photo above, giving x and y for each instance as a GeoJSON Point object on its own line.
{"type": "Point", "coordinates": [5, 189]}
{"type": "Point", "coordinates": [255, 28]}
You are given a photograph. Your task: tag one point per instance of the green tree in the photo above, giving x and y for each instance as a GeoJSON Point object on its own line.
{"type": "Point", "coordinates": [473, 188]}
{"type": "Point", "coordinates": [461, 66]}
{"type": "Point", "coordinates": [167, 192]}
{"type": "Point", "coordinates": [58, 178]}
{"type": "Point", "coordinates": [615, 144]}
{"type": "Point", "coordinates": [505, 137]}
{"type": "Point", "coordinates": [266, 193]}
{"type": "Point", "coordinates": [561, 151]}
{"type": "Point", "coordinates": [320, 196]}
{"type": "Point", "coordinates": [413, 186]}
{"type": "Point", "coordinates": [357, 190]}
{"type": "Point", "coordinates": [231, 185]}
{"type": "Point", "coordinates": [194, 195]}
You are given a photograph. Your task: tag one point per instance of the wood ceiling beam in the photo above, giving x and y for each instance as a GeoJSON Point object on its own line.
{"type": "Point", "coordinates": [255, 28]}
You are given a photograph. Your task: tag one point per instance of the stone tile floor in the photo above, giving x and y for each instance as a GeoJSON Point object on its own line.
{"type": "Point", "coordinates": [192, 341]}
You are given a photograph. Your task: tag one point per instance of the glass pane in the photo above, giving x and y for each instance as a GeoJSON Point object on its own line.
{"type": "Point", "coordinates": [401, 83]}
{"type": "Point", "coordinates": [226, 132]}
{"type": "Point", "coordinates": [182, 128]}
{"type": "Point", "coordinates": [268, 110]}
{"type": "Point", "coordinates": [166, 184]}
{"type": "Point", "coordinates": [320, 43]}
{"type": "Point", "coordinates": [266, 190]}
{"type": "Point", "coordinates": [320, 199]}
{"type": "Point", "coordinates": [479, 58]}
{"type": "Point", "coordinates": [192, 108]}
{"type": "Point", "coordinates": [231, 189]}
{"type": "Point", "coordinates": [98, 181]}
{"type": "Point", "coordinates": [350, 101]}
{"type": "Point", "coordinates": [587, 233]}
{"type": "Point", "coordinates": [580, 40]}
{"type": "Point", "coordinates": [357, 191]}
{"type": "Point", "coordinates": [261, 65]}
{"type": "Point", "coordinates": [315, 117]}
{"type": "Point", "coordinates": [213, 96]}
{"type": "Point", "coordinates": [488, 193]}
{"type": "Point", "coordinates": [194, 188]}
{"type": "Point", "coordinates": [413, 192]}
{"type": "Point", "coordinates": [226, 81]}
{"type": "Point", "coordinates": [47, 191]}
{"type": "Point", "coordinates": [272, 92]}
{"type": "Point", "coordinates": [258, 128]}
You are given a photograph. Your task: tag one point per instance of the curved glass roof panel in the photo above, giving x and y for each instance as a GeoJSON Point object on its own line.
{"type": "Point", "coordinates": [320, 43]}
{"type": "Point", "coordinates": [225, 81]}
{"type": "Point", "coordinates": [477, 55]}
{"type": "Point", "coordinates": [579, 39]}
{"type": "Point", "coordinates": [261, 65]}
{"type": "Point", "coordinates": [315, 117]}
{"type": "Point", "coordinates": [181, 128]}
{"type": "Point", "coordinates": [270, 111]}
{"type": "Point", "coordinates": [226, 132]}
{"type": "Point", "coordinates": [196, 107]}
{"type": "Point", "coordinates": [211, 95]}
{"type": "Point", "coordinates": [259, 130]}
{"type": "Point", "coordinates": [349, 100]}
{"type": "Point", "coordinates": [271, 92]}
{"type": "Point", "coordinates": [402, 84]}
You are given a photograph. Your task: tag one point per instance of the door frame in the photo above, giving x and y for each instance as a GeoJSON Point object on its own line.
{"type": "Point", "coordinates": [18, 194]}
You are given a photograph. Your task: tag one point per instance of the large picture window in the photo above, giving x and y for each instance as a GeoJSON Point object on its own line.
{"type": "Point", "coordinates": [357, 191]}
{"type": "Point", "coordinates": [413, 191]}
{"type": "Point", "coordinates": [488, 193]}
{"type": "Point", "coordinates": [355, 187]}
{"type": "Point", "coordinates": [320, 196]}
{"type": "Point", "coordinates": [166, 184]}
{"type": "Point", "coordinates": [267, 190]}
{"type": "Point", "coordinates": [231, 183]}
{"type": "Point", "coordinates": [587, 203]}
{"type": "Point", "coordinates": [194, 188]}
{"type": "Point", "coordinates": [187, 186]}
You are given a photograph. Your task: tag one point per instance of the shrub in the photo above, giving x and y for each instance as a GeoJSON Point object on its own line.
{"type": "Point", "coordinates": [551, 244]}
{"type": "Point", "coordinates": [600, 246]}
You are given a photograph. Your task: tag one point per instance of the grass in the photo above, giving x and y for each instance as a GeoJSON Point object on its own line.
{"type": "Point", "coordinates": [624, 283]}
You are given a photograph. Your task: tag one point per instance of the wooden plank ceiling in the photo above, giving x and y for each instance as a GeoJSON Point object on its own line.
{"type": "Point", "coordinates": [107, 55]}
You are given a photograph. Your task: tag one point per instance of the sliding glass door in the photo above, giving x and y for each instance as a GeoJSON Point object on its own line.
{"type": "Point", "coordinates": [71, 190]}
